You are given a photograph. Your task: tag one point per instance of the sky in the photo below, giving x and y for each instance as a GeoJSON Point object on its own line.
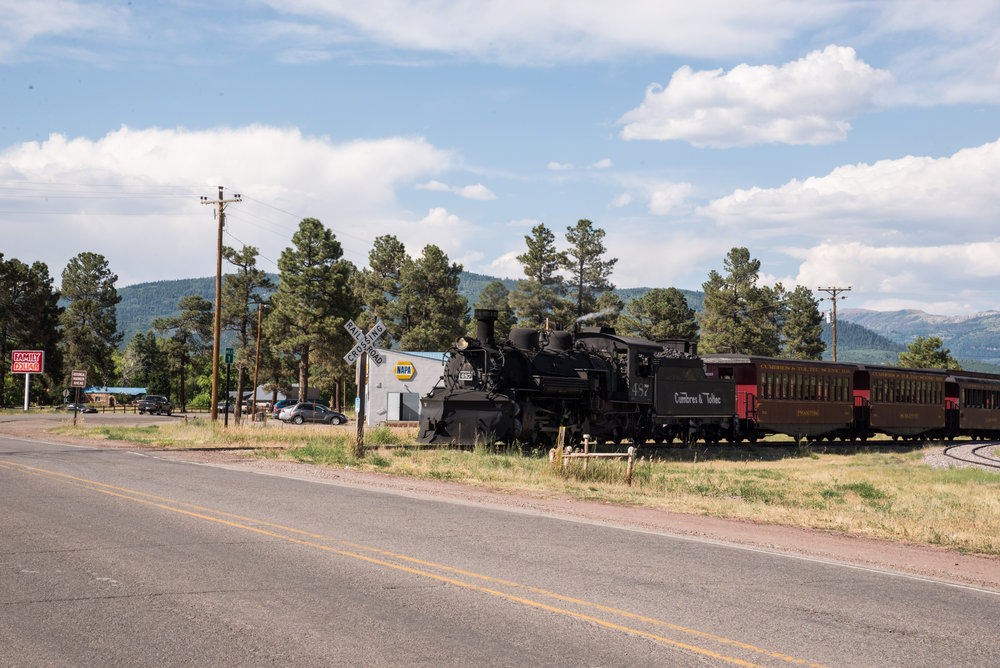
{"type": "Point", "coordinates": [845, 143]}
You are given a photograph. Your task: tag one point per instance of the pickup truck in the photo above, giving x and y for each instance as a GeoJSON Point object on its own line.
{"type": "Point", "coordinates": [155, 403]}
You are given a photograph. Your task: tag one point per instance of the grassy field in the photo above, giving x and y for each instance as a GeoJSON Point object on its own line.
{"type": "Point", "coordinates": [878, 490]}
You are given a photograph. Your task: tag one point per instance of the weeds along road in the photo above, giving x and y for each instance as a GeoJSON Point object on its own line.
{"type": "Point", "coordinates": [114, 557]}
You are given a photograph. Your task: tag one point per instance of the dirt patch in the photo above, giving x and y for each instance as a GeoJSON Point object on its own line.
{"type": "Point", "coordinates": [919, 560]}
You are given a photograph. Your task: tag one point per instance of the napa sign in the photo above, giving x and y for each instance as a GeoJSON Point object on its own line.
{"type": "Point", "coordinates": [404, 370]}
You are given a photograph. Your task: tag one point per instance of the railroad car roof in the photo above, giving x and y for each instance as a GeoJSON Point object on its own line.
{"type": "Point", "coordinates": [739, 358]}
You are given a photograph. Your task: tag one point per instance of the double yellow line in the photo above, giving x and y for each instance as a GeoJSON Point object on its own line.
{"type": "Point", "coordinates": [364, 553]}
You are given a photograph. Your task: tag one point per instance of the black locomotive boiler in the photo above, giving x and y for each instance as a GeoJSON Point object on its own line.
{"type": "Point", "coordinates": [592, 381]}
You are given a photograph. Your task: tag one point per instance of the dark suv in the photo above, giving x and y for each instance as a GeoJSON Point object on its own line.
{"type": "Point", "coordinates": [155, 403]}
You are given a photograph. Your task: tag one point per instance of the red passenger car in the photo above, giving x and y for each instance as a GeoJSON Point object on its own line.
{"type": "Point", "coordinates": [793, 397]}
{"type": "Point", "coordinates": [899, 402]}
{"type": "Point", "coordinates": [974, 404]}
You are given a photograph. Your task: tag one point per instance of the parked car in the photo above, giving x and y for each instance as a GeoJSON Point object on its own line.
{"type": "Point", "coordinates": [227, 407]}
{"type": "Point", "coordinates": [81, 408]}
{"type": "Point", "coordinates": [312, 412]}
{"type": "Point", "coordinates": [284, 403]}
{"type": "Point", "coordinates": [155, 403]}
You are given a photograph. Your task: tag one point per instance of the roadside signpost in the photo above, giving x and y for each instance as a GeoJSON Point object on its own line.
{"type": "Point", "coordinates": [27, 362]}
{"type": "Point", "coordinates": [78, 381]}
{"type": "Point", "coordinates": [360, 353]}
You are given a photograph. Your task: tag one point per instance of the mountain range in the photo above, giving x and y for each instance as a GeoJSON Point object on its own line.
{"type": "Point", "coordinates": [864, 336]}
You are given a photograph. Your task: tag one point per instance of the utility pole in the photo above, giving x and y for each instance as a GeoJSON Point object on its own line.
{"type": "Point", "coordinates": [833, 298]}
{"type": "Point", "coordinates": [256, 363]}
{"type": "Point", "coordinates": [217, 337]}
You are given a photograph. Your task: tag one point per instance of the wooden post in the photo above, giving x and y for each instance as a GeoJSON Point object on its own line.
{"type": "Point", "coordinates": [359, 443]}
{"type": "Point", "coordinates": [631, 462]}
{"type": "Point", "coordinates": [586, 451]}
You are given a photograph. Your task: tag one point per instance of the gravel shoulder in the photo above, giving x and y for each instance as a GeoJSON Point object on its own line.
{"type": "Point", "coordinates": [911, 559]}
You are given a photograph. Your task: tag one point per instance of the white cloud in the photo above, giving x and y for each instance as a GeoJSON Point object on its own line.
{"type": "Point", "coordinates": [668, 198]}
{"type": "Point", "coordinates": [477, 191]}
{"type": "Point", "coordinates": [941, 198]}
{"type": "Point", "coordinates": [505, 266]}
{"type": "Point", "coordinates": [620, 200]}
{"type": "Point", "coordinates": [807, 101]}
{"type": "Point", "coordinates": [138, 189]}
{"type": "Point", "coordinates": [560, 166]}
{"type": "Point", "coordinates": [604, 163]}
{"type": "Point", "coordinates": [521, 31]}
{"type": "Point", "coordinates": [433, 185]}
{"type": "Point", "coordinates": [26, 21]}
{"type": "Point", "coordinates": [951, 278]}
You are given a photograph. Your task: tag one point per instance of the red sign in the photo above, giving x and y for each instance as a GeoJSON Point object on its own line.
{"type": "Point", "coordinates": [28, 361]}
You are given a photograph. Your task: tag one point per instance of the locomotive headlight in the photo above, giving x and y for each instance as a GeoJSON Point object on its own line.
{"type": "Point", "coordinates": [463, 343]}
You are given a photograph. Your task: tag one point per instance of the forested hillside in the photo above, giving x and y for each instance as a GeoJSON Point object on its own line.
{"type": "Point", "coordinates": [144, 302]}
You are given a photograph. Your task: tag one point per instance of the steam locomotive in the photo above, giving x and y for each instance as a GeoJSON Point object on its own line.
{"type": "Point", "coordinates": [610, 388]}
{"type": "Point", "coordinates": [594, 382]}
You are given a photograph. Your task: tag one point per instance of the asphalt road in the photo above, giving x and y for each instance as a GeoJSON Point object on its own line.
{"type": "Point", "coordinates": [113, 558]}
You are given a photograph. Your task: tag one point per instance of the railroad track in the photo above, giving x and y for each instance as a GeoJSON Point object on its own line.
{"type": "Point", "coordinates": [982, 455]}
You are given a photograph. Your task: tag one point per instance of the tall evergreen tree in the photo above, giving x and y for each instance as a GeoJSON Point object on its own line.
{"type": "Point", "coordinates": [659, 314]}
{"type": "Point", "coordinates": [435, 312]}
{"type": "Point", "coordinates": [90, 322]}
{"type": "Point", "coordinates": [738, 316]}
{"type": "Point", "coordinates": [537, 297]}
{"type": "Point", "coordinates": [378, 286]}
{"type": "Point", "coordinates": [190, 339]}
{"type": "Point", "coordinates": [928, 352]}
{"type": "Point", "coordinates": [144, 363]}
{"type": "Point", "coordinates": [314, 298]}
{"type": "Point", "coordinates": [242, 295]}
{"type": "Point", "coordinates": [29, 319]}
{"type": "Point", "coordinates": [589, 272]}
{"type": "Point", "coordinates": [803, 326]}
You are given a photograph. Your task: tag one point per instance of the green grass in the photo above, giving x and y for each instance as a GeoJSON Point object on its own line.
{"type": "Point", "coordinates": [873, 490]}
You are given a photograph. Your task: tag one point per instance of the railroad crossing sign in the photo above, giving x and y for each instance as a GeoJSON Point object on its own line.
{"type": "Point", "coordinates": [366, 342]}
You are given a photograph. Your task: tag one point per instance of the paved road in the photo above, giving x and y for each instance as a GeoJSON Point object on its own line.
{"type": "Point", "coordinates": [110, 557]}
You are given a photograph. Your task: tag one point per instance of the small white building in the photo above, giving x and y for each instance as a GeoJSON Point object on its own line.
{"type": "Point", "coordinates": [394, 388]}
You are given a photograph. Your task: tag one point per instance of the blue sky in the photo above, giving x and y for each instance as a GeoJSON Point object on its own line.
{"type": "Point", "coordinates": [844, 143]}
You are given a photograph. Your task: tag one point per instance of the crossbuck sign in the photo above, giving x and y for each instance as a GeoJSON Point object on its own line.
{"type": "Point", "coordinates": [366, 342]}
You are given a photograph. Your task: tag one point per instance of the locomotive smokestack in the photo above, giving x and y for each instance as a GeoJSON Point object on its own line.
{"type": "Point", "coordinates": [485, 317]}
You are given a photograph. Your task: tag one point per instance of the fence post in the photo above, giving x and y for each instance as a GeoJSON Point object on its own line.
{"type": "Point", "coordinates": [631, 461]}
{"type": "Point", "coordinates": [586, 451]}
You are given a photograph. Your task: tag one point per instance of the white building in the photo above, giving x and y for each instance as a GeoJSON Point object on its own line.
{"type": "Point", "coordinates": [394, 388]}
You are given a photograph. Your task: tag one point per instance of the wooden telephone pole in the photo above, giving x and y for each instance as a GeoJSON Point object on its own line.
{"type": "Point", "coordinates": [216, 339]}
{"type": "Point", "coordinates": [833, 298]}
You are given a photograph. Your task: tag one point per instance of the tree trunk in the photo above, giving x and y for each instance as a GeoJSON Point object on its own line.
{"type": "Point", "coordinates": [304, 375]}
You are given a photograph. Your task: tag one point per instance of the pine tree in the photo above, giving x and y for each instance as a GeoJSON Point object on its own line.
{"type": "Point", "coordinates": [435, 312]}
{"type": "Point", "coordinates": [803, 327]}
{"type": "Point", "coordinates": [314, 298]}
{"type": "Point", "coordinates": [659, 314]}
{"type": "Point", "coordinates": [144, 363]}
{"type": "Point", "coordinates": [190, 339]}
{"type": "Point", "coordinates": [928, 353]}
{"type": "Point", "coordinates": [589, 273]}
{"type": "Point", "coordinates": [241, 298]}
{"type": "Point", "coordinates": [537, 297]}
{"type": "Point", "coordinates": [738, 316]}
{"type": "Point", "coordinates": [378, 286]}
{"type": "Point", "coordinates": [89, 321]}
{"type": "Point", "coordinates": [29, 319]}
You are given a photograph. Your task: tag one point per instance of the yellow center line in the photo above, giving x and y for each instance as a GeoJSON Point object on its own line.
{"type": "Point", "coordinates": [178, 507]}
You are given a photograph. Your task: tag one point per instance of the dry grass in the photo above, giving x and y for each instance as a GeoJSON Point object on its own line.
{"type": "Point", "coordinates": [879, 490]}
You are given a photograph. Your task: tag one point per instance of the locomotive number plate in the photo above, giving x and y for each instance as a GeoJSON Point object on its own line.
{"type": "Point", "coordinates": [465, 375]}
